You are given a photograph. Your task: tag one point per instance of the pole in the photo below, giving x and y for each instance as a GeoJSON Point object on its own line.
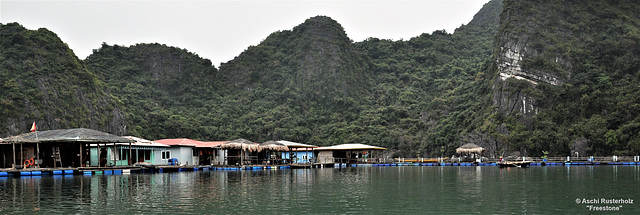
{"type": "Point", "coordinates": [37, 150]}
{"type": "Point", "coordinates": [81, 152]}
{"type": "Point", "coordinates": [99, 158]}
{"type": "Point", "coordinates": [14, 154]}
{"type": "Point", "coordinates": [21, 154]}
{"type": "Point", "coordinates": [114, 154]}
{"type": "Point", "coordinates": [130, 162]}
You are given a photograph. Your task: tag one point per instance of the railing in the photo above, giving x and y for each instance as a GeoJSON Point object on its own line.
{"type": "Point", "coordinates": [246, 160]}
{"type": "Point", "coordinates": [607, 159]}
{"type": "Point", "coordinates": [421, 160]}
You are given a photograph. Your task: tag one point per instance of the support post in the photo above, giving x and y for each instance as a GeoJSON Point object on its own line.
{"type": "Point", "coordinates": [14, 154]}
{"type": "Point", "coordinates": [130, 162]}
{"type": "Point", "coordinates": [81, 152]}
{"type": "Point", "coordinates": [37, 149]}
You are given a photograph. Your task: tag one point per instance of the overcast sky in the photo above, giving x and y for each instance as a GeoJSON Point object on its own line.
{"type": "Point", "coordinates": [221, 30]}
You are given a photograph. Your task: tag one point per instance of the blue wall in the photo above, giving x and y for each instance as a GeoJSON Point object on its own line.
{"type": "Point", "coordinates": [299, 155]}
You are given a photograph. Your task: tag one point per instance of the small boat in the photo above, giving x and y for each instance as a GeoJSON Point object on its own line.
{"type": "Point", "coordinates": [514, 164]}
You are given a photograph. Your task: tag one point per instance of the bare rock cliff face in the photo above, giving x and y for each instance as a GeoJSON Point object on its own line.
{"type": "Point", "coordinates": [522, 60]}
{"type": "Point", "coordinates": [508, 98]}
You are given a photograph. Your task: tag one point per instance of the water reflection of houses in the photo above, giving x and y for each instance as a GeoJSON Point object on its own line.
{"type": "Point", "coordinates": [349, 153]}
{"type": "Point", "coordinates": [54, 148]}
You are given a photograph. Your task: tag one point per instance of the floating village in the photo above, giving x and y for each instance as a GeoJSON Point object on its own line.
{"type": "Point", "coordinates": [84, 151]}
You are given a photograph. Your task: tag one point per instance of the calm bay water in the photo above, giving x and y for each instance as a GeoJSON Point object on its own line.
{"type": "Point", "coordinates": [359, 190]}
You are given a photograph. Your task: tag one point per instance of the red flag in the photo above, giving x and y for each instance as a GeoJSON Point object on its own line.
{"type": "Point", "coordinates": [33, 127]}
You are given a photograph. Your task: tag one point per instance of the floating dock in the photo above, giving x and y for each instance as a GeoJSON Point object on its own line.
{"type": "Point", "coordinates": [124, 170]}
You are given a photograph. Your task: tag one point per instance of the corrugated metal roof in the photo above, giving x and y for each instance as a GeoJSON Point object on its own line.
{"type": "Point", "coordinates": [144, 142]}
{"type": "Point", "coordinates": [68, 135]}
{"type": "Point", "coordinates": [211, 144]}
{"type": "Point", "coordinates": [350, 146]}
{"type": "Point", "coordinates": [295, 145]}
{"type": "Point", "coordinates": [190, 142]}
{"type": "Point", "coordinates": [138, 143]}
{"type": "Point", "coordinates": [178, 142]}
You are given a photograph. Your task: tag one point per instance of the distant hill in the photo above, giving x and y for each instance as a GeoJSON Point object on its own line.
{"type": "Point", "coordinates": [42, 80]}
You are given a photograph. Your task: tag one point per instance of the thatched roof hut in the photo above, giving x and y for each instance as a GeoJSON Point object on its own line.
{"type": "Point", "coordinates": [273, 146]}
{"type": "Point", "coordinates": [243, 144]}
{"type": "Point", "coordinates": [470, 148]}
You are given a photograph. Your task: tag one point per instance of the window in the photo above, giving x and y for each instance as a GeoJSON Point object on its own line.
{"type": "Point", "coordinates": [122, 154]}
{"type": "Point", "coordinates": [166, 155]}
{"type": "Point", "coordinates": [119, 154]}
{"type": "Point", "coordinates": [147, 154]}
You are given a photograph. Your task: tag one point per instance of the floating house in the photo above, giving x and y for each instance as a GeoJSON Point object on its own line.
{"type": "Point", "coordinates": [142, 151]}
{"type": "Point", "coordinates": [349, 153]}
{"type": "Point", "coordinates": [210, 153]}
{"type": "Point", "coordinates": [193, 152]}
{"type": "Point", "coordinates": [240, 152]}
{"type": "Point", "coordinates": [470, 151]}
{"type": "Point", "coordinates": [298, 152]}
{"type": "Point", "coordinates": [269, 152]}
{"type": "Point", "coordinates": [54, 148]}
{"type": "Point", "coordinates": [182, 149]}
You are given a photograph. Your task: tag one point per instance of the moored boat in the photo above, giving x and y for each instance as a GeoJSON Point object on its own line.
{"type": "Point", "coordinates": [514, 164]}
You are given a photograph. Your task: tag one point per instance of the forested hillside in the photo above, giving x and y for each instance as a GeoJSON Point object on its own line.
{"type": "Point", "coordinates": [168, 92]}
{"type": "Point", "coordinates": [312, 84]}
{"type": "Point", "coordinates": [304, 84]}
{"type": "Point", "coordinates": [521, 77]}
{"type": "Point", "coordinates": [42, 80]}
{"type": "Point", "coordinates": [567, 77]}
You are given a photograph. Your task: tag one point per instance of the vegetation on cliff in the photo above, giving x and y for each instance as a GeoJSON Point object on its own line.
{"type": "Point", "coordinates": [593, 47]}
{"type": "Point", "coordinates": [167, 92]}
{"type": "Point", "coordinates": [574, 86]}
{"type": "Point", "coordinates": [42, 80]}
